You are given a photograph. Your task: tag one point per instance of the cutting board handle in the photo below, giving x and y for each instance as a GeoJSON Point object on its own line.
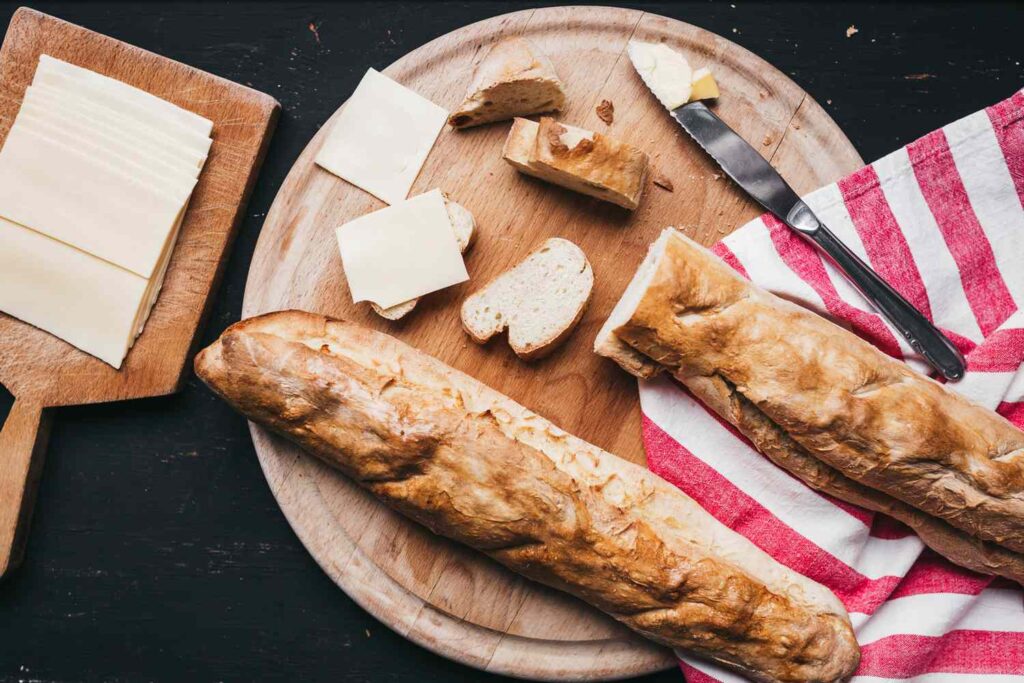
{"type": "Point", "coordinates": [22, 446]}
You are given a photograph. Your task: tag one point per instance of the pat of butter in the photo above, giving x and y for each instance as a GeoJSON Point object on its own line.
{"type": "Point", "coordinates": [665, 71]}
{"type": "Point", "coordinates": [401, 252]}
{"type": "Point", "coordinates": [382, 137]}
{"type": "Point", "coordinates": [704, 85]}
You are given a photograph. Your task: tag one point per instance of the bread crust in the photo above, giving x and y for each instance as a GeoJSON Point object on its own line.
{"type": "Point", "coordinates": [474, 466]}
{"type": "Point", "coordinates": [866, 415]}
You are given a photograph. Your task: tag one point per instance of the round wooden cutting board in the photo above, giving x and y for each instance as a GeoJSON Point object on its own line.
{"type": "Point", "coordinates": [441, 595]}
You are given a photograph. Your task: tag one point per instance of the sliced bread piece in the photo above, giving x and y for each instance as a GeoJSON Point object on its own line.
{"type": "Point", "coordinates": [514, 79]}
{"type": "Point", "coordinates": [539, 301]}
{"type": "Point", "coordinates": [577, 159]}
{"type": "Point", "coordinates": [464, 227]}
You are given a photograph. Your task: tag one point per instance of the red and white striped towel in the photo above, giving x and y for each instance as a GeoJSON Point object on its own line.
{"type": "Point", "coordinates": [943, 221]}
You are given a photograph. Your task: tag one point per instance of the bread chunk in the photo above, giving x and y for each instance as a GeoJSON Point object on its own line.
{"type": "Point", "coordinates": [577, 159]}
{"type": "Point", "coordinates": [515, 79]}
{"type": "Point", "coordinates": [464, 227]}
{"type": "Point", "coordinates": [539, 301]}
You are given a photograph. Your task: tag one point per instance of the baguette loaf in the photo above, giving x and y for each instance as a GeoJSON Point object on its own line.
{"type": "Point", "coordinates": [475, 466]}
{"type": "Point", "coordinates": [831, 395]}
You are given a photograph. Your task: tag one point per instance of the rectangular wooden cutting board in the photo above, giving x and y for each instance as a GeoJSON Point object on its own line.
{"type": "Point", "coordinates": [43, 371]}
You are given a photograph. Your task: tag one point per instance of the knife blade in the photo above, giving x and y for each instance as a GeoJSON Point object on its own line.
{"type": "Point", "coordinates": [760, 180]}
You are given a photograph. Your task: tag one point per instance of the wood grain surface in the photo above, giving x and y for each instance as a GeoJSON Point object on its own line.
{"type": "Point", "coordinates": [43, 371]}
{"type": "Point", "coordinates": [440, 595]}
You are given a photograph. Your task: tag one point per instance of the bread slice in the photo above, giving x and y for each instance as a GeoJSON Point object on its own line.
{"type": "Point", "coordinates": [539, 301]}
{"type": "Point", "coordinates": [515, 79]}
{"type": "Point", "coordinates": [578, 159]}
{"type": "Point", "coordinates": [464, 227]}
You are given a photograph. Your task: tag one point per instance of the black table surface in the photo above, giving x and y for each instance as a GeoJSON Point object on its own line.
{"type": "Point", "coordinates": [157, 551]}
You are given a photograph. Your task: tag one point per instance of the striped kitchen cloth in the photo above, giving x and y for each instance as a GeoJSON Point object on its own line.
{"type": "Point", "coordinates": [943, 221]}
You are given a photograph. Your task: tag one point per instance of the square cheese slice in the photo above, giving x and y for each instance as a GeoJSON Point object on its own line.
{"type": "Point", "coordinates": [382, 137]}
{"type": "Point", "coordinates": [87, 302]}
{"type": "Point", "coordinates": [401, 252]}
{"type": "Point", "coordinates": [88, 203]}
{"type": "Point", "coordinates": [119, 90]}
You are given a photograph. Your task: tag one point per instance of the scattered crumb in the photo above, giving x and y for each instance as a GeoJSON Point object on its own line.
{"type": "Point", "coordinates": [918, 77]}
{"type": "Point", "coordinates": [367, 632]}
{"type": "Point", "coordinates": [316, 34]}
{"type": "Point", "coordinates": [716, 176]}
{"type": "Point", "coordinates": [796, 126]}
{"type": "Point", "coordinates": [828, 101]}
{"type": "Point", "coordinates": [767, 141]}
{"type": "Point", "coordinates": [735, 30]}
{"type": "Point", "coordinates": [661, 180]}
{"type": "Point", "coordinates": [606, 111]}
{"type": "Point", "coordinates": [851, 30]}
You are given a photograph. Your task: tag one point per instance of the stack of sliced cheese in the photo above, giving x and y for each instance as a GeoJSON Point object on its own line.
{"type": "Point", "coordinates": [95, 176]}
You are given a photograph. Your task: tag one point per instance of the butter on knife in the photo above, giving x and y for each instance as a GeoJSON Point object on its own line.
{"type": "Point", "coordinates": [669, 76]}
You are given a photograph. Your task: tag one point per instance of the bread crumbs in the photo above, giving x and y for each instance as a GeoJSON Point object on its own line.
{"type": "Point", "coordinates": [606, 111]}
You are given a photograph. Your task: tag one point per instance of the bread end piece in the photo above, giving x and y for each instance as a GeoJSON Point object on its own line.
{"type": "Point", "coordinates": [514, 79]}
{"type": "Point", "coordinates": [579, 160]}
{"type": "Point", "coordinates": [464, 227]}
{"type": "Point", "coordinates": [539, 301]}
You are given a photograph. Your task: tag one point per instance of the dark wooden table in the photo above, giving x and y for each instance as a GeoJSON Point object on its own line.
{"type": "Point", "coordinates": [157, 551]}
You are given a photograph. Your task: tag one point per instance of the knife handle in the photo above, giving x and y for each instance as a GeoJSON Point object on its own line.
{"type": "Point", "coordinates": [924, 337]}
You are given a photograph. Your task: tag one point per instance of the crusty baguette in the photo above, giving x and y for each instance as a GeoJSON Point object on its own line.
{"type": "Point", "coordinates": [477, 467]}
{"type": "Point", "coordinates": [539, 301]}
{"type": "Point", "coordinates": [868, 416]}
{"type": "Point", "coordinates": [580, 160]}
{"type": "Point", "coordinates": [514, 79]}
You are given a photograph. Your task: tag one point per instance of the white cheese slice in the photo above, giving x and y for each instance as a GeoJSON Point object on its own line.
{"type": "Point", "coordinates": [382, 137]}
{"type": "Point", "coordinates": [130, 158]}
{"type": "Point", "coordinates": [67, 104]}
{"type": "Point", "coordinates": [85, 202]}
{"type": "Point", "coordinates": [148, 116]}
{"type": "Point", "coordinates": [118, 89]}
{"type": "Point", "coordinates": [401, 252]}
{"type": "Point", "coordinates": [665, 71]}
{"type": "Point", "coordinates": [85, 301]}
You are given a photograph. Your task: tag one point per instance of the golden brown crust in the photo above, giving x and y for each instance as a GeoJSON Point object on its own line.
{"type": "Point", "coordinates": [477, 467]}
{"type": "Point", "coordinates": [868, 416]}
{"type": "Point", "coordinates": [606, 168]}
